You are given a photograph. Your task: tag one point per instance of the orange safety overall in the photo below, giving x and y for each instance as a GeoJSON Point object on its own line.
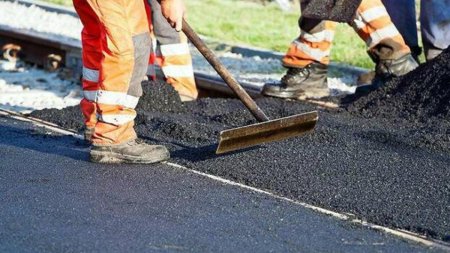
{"type": "Point", "coordinates": [371, 22]}
{"type": "Point", "coordinates": [116, 48]}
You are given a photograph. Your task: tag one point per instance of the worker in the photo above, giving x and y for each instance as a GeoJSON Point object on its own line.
{"type": "Point", "coordinates": [434, 24]}
{"type": "Point", "coordinates": [116, 47]}
{"type": "Point", "coordinates": [171, 53]}
{"type": "Point", "coordinates": [309, 55]}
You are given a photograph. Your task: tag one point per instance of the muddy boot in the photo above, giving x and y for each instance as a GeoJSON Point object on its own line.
{"type": "Point", "coordinates": [385, 70]}
{"type": "Point", "coordinates": [397, 67]}
{"type": "Point", "coordinates": [307, 82]}
{"type": "Point", "coordinates": [134, 151]}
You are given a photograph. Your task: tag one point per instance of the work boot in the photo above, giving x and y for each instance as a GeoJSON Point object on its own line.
{"type": "Point", "coordinates": [384, 71]}
{"type": "Point", "coordinates": [397, 67]}
{"type": "Point", "coordinates": [300, 83]}
{"type": "Point", "coordinates": [134, 151]}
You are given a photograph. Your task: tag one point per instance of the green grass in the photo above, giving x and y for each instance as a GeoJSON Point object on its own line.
{"type": "Point", "coordinates": [265, 26]}
{"type": "Point", "coordinates": [239, 22]}
{"type": "Point", "coordinates": [243, 22]}
{"type": "Point", "coordinates": [61, 2]}
{"type": "Point", "coordinates": [349, 48]}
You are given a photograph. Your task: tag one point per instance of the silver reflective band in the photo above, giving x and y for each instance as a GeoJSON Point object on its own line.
{"type": "Point", "coordinates": [325, 35]}
{"type": "Point", "coordinates": [111, 98]}
{"type": "Point", "coordinates": [389, 31]}
{"type": "Point", "coordinates": [374, 13]}
{"type": "Point", "coordinates": [90, 95]}
{"type": "Point", "coordinates": [91, 75]}
{"type": "Point", "coordinates": [178, 71]}
{"type": "Point", "coordinates": [314, 53]}
{"type": "Point", "coordinates": [175, 49]}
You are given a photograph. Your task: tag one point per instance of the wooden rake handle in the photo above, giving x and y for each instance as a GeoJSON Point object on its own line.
{"type": "Point", "coordinates": [224, 73]}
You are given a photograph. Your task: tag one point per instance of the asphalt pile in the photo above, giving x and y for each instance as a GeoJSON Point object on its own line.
{"type": "Point", "coordinates": [337, 10]}
{"type": "Point", "coordinates": [383, 171]}
{"type": "Point", "coordinates": [422, 95]}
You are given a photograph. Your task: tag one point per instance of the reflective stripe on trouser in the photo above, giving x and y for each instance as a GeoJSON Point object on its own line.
{"type": "Point", "coordinates": [171, 53]}
{"type": "Point", "coordinates": [113, 82]}
{"type": "Point", "coordinates": [375, 27]}
{"type": "Point", "coordinates": [372, 24]}
{"type": "Point", "coordinates": [313, 44]}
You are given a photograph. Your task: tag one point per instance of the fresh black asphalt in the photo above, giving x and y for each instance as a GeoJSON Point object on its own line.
{"type": "Point", "coordinates": [388, 171]}
{"type": "Point", "coordinates": [53, 200]}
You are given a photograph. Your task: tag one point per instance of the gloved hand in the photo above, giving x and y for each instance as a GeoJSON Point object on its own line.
{"type": "Point", "coordinates": [173, 11]}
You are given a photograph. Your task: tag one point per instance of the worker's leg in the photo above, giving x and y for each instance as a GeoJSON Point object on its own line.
{"type": "Point", "coordinates": [403, 15]}
{"type": "Point", "coordinates": [125, 49]}
{"type": "Point", "coordinates": [435, 26]}
{"type": "Point", "coordinates": [174, 55]}
{"type": "Point", "coordinates": [306, 61]}
{"type": "Point", "coordinates": [92, 57]}
{"type": "Point", "coordinates": [313, 44]}
{"type": "Point", "coordinates": [385, 44]}
{"type": "Point", "coordinates": [124, 55]}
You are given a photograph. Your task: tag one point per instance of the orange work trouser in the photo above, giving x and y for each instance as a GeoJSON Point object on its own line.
{"type": "Point", "coordinates": [116, 48]}
{"type": "Point", "coordinates": [171, 53]}
{"type": "Point", "coordinates": [371, 22]}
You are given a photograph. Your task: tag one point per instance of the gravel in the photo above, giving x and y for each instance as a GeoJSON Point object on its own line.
{"type": "Point", "coordinates": [421, 95]}
{"type": "Point", "coordinates": [25, 88]}
{"type": "Point", "coordinates": [39, 20]}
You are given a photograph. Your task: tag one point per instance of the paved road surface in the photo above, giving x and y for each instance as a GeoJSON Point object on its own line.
{"type": "Point", "coordinates": [52, 200]}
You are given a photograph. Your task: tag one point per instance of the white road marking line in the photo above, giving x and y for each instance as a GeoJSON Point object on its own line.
{"type": "Point", "coordinates": [346, 217]}
{"type": "Point", "coordinates": [407, 235]}
{"type": "Point", "coordinates": [41, 123]}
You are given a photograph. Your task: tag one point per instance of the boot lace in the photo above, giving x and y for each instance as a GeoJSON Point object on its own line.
{"type": "Point", "coordinates": [294, 73]}
{"type": "Point", "coordinates": [136, 142]}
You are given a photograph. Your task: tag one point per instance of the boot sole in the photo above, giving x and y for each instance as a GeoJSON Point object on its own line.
{"type": "Point", "coordinates": [298, 95]}
{"type": "Point", "coordinates": [112, 158]}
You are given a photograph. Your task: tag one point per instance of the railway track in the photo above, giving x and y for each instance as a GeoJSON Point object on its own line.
{"type": "Point", "coordinates": [56, 52]}
{"type": "Point", "coordinates": [53, 53]}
